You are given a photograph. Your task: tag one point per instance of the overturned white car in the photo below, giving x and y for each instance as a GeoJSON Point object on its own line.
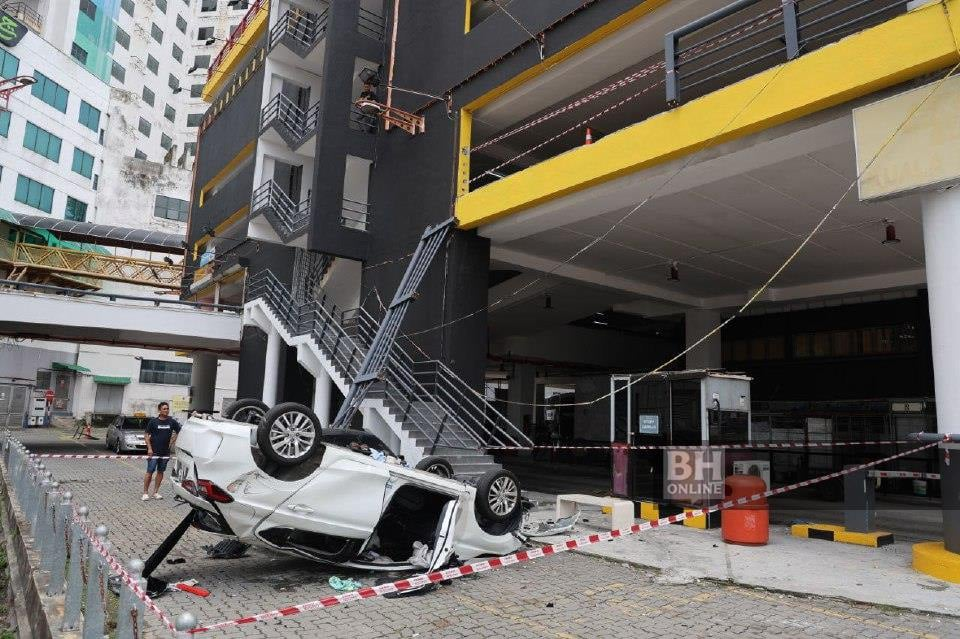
{"type": "Point", "coordinates": [285, 484]}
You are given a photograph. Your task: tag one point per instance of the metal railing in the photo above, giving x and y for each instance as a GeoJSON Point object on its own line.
{"type": "Point", "coordinates": [288, 218]}
{"type": "Point", "coordinates": [364, 122]}
{"type": "Point", "coordinates": [113, 297]}
{"type": "Point", "coordinates": [26, 14]}
{"type": "Point", "coordinates": [299, 123]}
{"type": "Point", "coordinates": [236, 35]}
{"type": "Point", "coordinates": [354, 215]}
{"type": "Point", "coordinates": [748, 36]}
{"type": "Point", "coordinates": [371, 24]}
{"type": "Point", "coordinates": [305, 29]}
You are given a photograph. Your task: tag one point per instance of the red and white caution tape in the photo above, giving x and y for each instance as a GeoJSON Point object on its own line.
{"type": "Point", "coordinates": [68, 456]}
{"type": "Point", "coordinates": [536, 553]}
{"type": "Point", "coordinates": [902, 474]}
{"type": "Point", "coordinates": [125, 576]}
{"type": "Point", "coordinates": [756, 446]}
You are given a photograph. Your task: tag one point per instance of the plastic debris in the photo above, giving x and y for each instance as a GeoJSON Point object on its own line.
{"type": "Point", "coordinates": [227, 549]}
{"type": "Point", "coordinates": [344, 584]}
{"type": "Point", "coordinates": [421, 555]}
{"type": "Point", "coordinates": [549, 528]}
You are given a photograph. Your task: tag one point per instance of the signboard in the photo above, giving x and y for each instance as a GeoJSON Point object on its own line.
{"type": "Point", "coordinates": [179, 403]}
{"type": "Point", "coordinates": [11, 31]}
{"type": "Point", "coordinates": [649, 425]}
{"type": "Point", "coordinates": [49, 395]}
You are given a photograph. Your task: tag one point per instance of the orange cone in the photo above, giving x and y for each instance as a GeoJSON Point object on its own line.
{"type": "Point", "coordinates": [88, 432]}
{"type": "Point", "coordinates": [589, 137]}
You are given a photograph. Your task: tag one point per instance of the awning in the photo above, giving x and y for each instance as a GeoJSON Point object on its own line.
{"type": "Point", "coordinates": [102, 234]}
{"type": "Point", "coordinates": [111, 380]}
{"type": "Point", "coordinates": [59, 366]}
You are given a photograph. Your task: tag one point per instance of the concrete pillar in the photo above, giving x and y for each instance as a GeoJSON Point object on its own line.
{"type": "Point", "coordinates": [699, 323]}
{"type": "Point", "coordinates": [941, 243]}
{"type": "Point", "coordinates": [203, 382]}
{"type": "Point", "coordinates": [271, 368]}
{"type": "Point", "coordinates": [521, 392]}
{"type": "Point", "coordinates": [321, 398]}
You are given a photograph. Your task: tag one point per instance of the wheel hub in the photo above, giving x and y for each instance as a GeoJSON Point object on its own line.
{"type": "Point", "coordinates": [292, 434]}
{"type": "Point", "coordinates": [503, 495]}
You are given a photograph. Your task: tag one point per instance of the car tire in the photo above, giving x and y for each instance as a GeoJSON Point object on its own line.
{"type": "Point", "coordinates": [248, 411]}
{"type": "Point", "coordinates": [118, 447]}
{"type": "Point", "coordinates": [436, 466]}
{"type": "Point", "coordinates": [289, 434]}
{"type": "Point", "coordinates": [498, 496]}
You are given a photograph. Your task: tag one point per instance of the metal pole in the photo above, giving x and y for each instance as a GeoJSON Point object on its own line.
{"type": "Point", "coordinates": [95, 613]}
{"type": "Point", "coordinates": [71, 619]}
{"type": "Point", "coordinates": [46, 522]}
{"type": "Point", "coordinates": [60, 545]}
{"type": "Point", "coordinates": [39, 502]}
{"type": "Point", "coordinates": [790, 29]}
{"type": "Point", "coordinates": [128, 616]}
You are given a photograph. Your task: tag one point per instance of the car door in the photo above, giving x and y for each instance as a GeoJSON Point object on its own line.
{"type": "Point", "coordinates": [343, 498]}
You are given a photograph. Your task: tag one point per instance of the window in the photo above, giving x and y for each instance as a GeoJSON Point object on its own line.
{"type": "Point", "coordinates": [153, 64]}
{"type": "Point", "coordinates": [201, 61]}
{"type": "Point", "coordinates": [144, 127]}
{"type": "Point", "coordinates": [173, 82]}
{"type": "Point", "coordinates": [32, 193]}
{"type": "Point", "coordinates": [4, 123]}
{"type": "Point", "coordinates": [140, 155]}
{"type": "Point", "coordinates": [204, 33]}
{"type": "Point", "coordinates": [170, 113]}
{"type": "Point", "coordinates": [118, 72]}
{"type": "Point", "coordinates": [208, 5]}
{"type": "Point", "coordinates": [88, 9]}
{"type": "Point", "coordinates": [41, 141]}
{"type": "Point", "coordinates": [196, 90]}
{"type": "Point", "coordinates": [241, 4]}
{"type": "Point", "coordinates": [89, 116]}
{"type": "Point", "coordinates": [82, 163]}
{"type": "Point", "coordinates": [154, 371]}
{"type": "Point", "coordinates": [127, 5]}
{"type": "Point", "coordinates": [148, 96]}
{"type": "Point", "coordinates": [9, 64]}
{"type": "Point", "coordinates": [191, 148]}
{"type": "Point", "coordinates": [76, 210]}
{"type": "Point", "coordinates": [123, 38]}
{"type": "Point", "coordinates": [177, 53]}
{"type": "Point", "coordinates": [165, 141]}
{"type": "Point", "coordinates": [161, 4]}
{"type": "Point", "coordinates": [181, 24]}
{"type": "Point", "coordinates": [50, 92]}
{"type": "Point", "coordinates": [170, 208]}
{"type": "Point", "coordinates": [156, 32]}
{"type": "Point", "coordinates": [79, 53]}
{"type": "Point", "coordinates": [194, 119]}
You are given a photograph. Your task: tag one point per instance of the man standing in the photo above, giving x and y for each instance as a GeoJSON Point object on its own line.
{"type": "Point", "coordinates": [161, 437]}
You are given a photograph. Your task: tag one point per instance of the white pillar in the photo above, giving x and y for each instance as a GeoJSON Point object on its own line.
{"type": "Point", "coordinates": [203, 382]}
{"type": "Point", "coordinates": [706, 355]}
{"type": "Point", "coordinates": [321, 398]}
{"type": "Point", "coordinates": [941, 243]}
{"type": "Point", "coordinates": [271, 368]}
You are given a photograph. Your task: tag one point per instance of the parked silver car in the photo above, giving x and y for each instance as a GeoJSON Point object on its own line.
{"type": "Point", "coordinates": [125, 434]}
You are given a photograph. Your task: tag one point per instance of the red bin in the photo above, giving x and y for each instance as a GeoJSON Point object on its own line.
{"type": "Point", "coordinates": [748, 523]}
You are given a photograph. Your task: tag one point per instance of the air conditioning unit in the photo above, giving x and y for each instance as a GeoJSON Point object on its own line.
{"type": "Point", "coordinates": [757, 467]}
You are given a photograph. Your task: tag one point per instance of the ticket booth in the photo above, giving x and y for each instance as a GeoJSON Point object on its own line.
{"type": "Point", "coordinates": [674, 408]}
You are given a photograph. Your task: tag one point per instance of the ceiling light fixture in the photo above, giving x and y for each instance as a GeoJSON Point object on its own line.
{"type": "Point", "coordinates": [889, 233]}
{"type": "Point", "coordinates": [674, 271]}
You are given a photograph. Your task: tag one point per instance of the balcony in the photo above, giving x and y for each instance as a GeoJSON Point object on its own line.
{"type": "Point", "coordinates": [288, 219]}
{"type": "Point", "coordinates": [25, 13]}
{"type": "Point", "coordinates": [371, 24]}
{"type": "Point", "coordinates": [299, 31]}
{"type": "Point", "coordinates": [228, 59]}
{"type": "Point", "coordinates": [293, 125]}
{"type": "Point", "coordinates": [354, 215]}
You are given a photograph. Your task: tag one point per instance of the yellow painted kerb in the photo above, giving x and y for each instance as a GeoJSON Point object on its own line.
{"type": "Point", "coordinates": [932, 558]}
{"type": "Point", "coordinates": [219, 76]}
{"type": "Point", "coordinates": [905, 47]}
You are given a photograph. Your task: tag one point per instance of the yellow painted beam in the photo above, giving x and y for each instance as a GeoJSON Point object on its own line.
{"type": "Point", "coordinates": [905, 47]}
{"type": "Point", "coordinates": [463, 152]}
{"type": "Point", "coordinates": [227, 169]}
{"type": "Point", "coordinates": [221, 74]}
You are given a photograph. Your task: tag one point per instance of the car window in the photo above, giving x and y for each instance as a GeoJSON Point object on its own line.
{"type": "Point", "coordinates": [133, 423]}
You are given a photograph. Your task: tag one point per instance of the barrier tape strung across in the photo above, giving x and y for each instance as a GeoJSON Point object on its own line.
{"type": "Point", "coordinates": [68, 456]}
{"type": "Point", "coordinates": [536, 553]}
{"type": "Point", "coordinates": [125, 576]}
{"type": "Point", "coordinates": [879, 442]}
{"type": "Point", "coordinates": [902, 474]}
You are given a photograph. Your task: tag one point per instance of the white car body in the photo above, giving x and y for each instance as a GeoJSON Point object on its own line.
{"type": "Point", "coordinates": [346, 498]}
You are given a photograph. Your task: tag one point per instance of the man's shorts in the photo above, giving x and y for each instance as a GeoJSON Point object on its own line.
{"type": "Point", "coordinates": [154, 465]}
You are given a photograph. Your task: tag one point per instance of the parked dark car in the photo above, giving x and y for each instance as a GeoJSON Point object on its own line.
{"type": "Point", "coordinates": [125, 434]}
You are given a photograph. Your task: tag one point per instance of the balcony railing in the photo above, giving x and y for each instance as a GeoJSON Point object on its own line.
{"type": "Point", "coordinates": [303, 30]}
{"type": "Point", "coordinates": [371, 24]}
{"type": "Point", "coordinates": [287, 218]}
{"type": "Point", "coordinates": [748, 36]}
{"type": "Point", "coordinates": [26, 14]}
{"type": "Point", "coordinates": [364, 122]}
{"type": "Point", "coordinates": [293, 123]}
{"type": "Point", "coordinates": [354, 215]}
{"type": "Point", "coordinates": [237, 35]}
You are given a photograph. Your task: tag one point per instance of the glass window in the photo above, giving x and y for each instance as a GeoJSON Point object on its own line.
{"type": "Point", "coordinates": [89, 116]}
{"type": "Point", "coordinates": [33, 193]}
{"type": "Point", "coordinates": [159, 372]}
{"type": "Point", "coordinates": [153, 64]}
{"type": "Point", "coordinates": [208, 5]}
{"type": "Point", "coordinates": [165, 141]}
{"type": "Point", "coordinates": [50, 92]}
{"type": "Point", "coordinates": [201, 61]}
{"type": "Point", "coordinates": [144, 127]}
{"type": "Point", "coordinates": [9, 64]}
{"type": "Point", "coordinates": [4, 123]}
{"type": "Point", "coordinates": [204, 33]}
{"type": "Point", "coordinates": [161, 4]}
{"type": "Point", "coordinates": [181, 24]}
{"type": "Point", "coordinates": [196, 90]}
{"type": "Point", "coordinates": [140, 155]}
{"type": "Point", "coordinates": [79, 53]}
{"type": "Point", "coordinates": [191, 148]}
{"type": "Point", "coordinates": [156, 32]}
{"type": "Point", "coordinates": [123, 38]}
{"type": "Point", "coordinates": [127, 5]}
{"type": "Point", "coordinates": [177, 53]}
{"type": "Point", "coordinates": [170, 113]}
{"type": "Point", "coordinates": [241, 4]}
{"type": "Point", "coordinates": [88, 9]}
{"type": "Point", "coordinates": [41, 141]}
{"type": "Point", "coordinates": [148, 96]}
{"type": "Point", "coordinates": [194, 119]}
{"type": "Point", "coordinates": [82, 163]}
{"type": "Point", "coordinates": [76, 210]}
{"type": "Point", "coordinates": [173, 82]}
{"type": "Point", "coordinates": [171, 208]}
{"type": "Point", "coordinates": [118, 71]}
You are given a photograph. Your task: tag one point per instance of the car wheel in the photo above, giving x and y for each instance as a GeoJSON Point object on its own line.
{"type": "Point", "coordinates": [435, 465]}
{"type": "Point", "coordinates": [498, 495]}
{"type": "Point", "coordinates": [118, 447]}
{"type": "Point", "coordinates": [248, 411]}
{"type": "Point", "coordinates": [289, 434]}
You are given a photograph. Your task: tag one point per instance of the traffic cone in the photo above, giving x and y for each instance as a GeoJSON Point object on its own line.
{"type": "Point", "coordinates": [589, 137]}
{"type": "Point", "coordinates": [88, 432]}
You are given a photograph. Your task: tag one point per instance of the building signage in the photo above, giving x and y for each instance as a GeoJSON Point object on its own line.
{"type": "Point", "coordinates": [11, 31]}
{"type": "Point", "coordinates": [649, 424]}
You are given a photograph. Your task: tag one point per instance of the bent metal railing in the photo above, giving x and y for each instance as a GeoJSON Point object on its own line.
{"type": "Point", "coordinates": [748, 36]}
{"type": "Point", "coordinates": [324, 323]}
{"type": "Point", "coordinates": [288, 218]}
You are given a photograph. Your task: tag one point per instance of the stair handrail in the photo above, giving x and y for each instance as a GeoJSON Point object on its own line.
{"type": "Point", "coordinates": [282, 108]}
{"type": "Point", "coordinates": [304, 27]}
{"type": "Point", "coordinates": [293, 216]}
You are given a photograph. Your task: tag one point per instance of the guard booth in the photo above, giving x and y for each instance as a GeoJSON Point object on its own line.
{"type": "Point", "coordinates": [674, 408]}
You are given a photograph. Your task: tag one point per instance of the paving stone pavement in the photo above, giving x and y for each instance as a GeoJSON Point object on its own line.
{"type": "Point", "coordinates": [562, 597]}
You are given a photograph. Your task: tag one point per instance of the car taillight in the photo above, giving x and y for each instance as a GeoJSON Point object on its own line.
{"type": "Point", "coordinates": [208, 489]}
{"type": "Point", "coordinates": [190, 486]}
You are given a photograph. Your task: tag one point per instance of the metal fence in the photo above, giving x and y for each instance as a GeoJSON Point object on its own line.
{"type": "Point", "coordinates": [76, 556]}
